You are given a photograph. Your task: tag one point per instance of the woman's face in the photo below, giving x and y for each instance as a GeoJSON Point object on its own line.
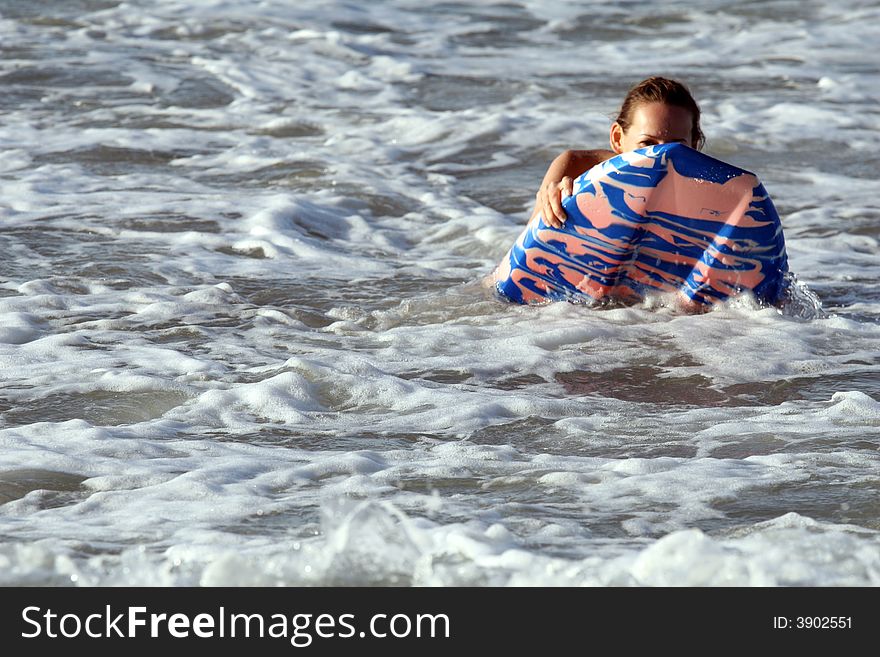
{"type": "Point", "coordinates": [654, 123]}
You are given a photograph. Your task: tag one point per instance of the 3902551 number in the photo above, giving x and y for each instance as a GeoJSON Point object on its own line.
{"type": "Point", "coordinates": [823, 622]}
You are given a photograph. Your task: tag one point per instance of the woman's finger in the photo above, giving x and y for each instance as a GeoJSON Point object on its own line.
{"type": "Point", "coordinates": [568, 186]}
{"type": "Point", "coordinates": [556, 204]}
{"type": "Point", "coordinates": [547, 210]}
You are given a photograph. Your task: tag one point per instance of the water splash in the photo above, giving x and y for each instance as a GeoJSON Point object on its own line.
{"type": "Point", "coordinates": [799, 301]}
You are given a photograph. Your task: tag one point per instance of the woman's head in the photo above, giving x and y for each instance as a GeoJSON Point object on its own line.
{"type": "Point", "coordinates": [657, 111]}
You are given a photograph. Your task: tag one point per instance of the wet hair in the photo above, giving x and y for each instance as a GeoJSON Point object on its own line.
{"type": "Point", "coordinates": [662, 90]}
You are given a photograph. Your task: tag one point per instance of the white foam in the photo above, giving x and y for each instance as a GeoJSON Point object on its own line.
{"type": "Point", "coordinates": [854, 407]}
{"type": "Point", "coordinates": [242, 252]}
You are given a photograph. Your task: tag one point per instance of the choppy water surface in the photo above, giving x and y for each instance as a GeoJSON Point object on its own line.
{"type": "Point", "coordinates": [242, 335]}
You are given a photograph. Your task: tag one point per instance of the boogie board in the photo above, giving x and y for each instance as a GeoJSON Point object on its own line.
{"type": "Point", "coordinates": [661, 219]}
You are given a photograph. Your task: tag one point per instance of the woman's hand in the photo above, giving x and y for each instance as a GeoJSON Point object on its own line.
{"type": "Point", "coordinates": [558, 183]}
{"type": "Point", "coordinates": [548, 200]}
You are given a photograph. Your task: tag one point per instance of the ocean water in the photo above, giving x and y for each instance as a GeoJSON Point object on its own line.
{"type": "Point", "coordinates": [243, 339]}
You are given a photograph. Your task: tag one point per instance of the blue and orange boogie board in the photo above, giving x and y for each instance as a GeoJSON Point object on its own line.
{"type": "Point", "coordinates": [662, 219]}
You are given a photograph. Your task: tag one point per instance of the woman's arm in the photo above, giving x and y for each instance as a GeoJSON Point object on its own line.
{"type": "Point", "coordinates": [558, 182]}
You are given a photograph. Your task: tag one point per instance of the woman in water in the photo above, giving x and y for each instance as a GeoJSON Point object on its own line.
{"type": "Point", "coordinates": [651, 225]}
{"type": "Point", "coordinates": [655, 111]}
